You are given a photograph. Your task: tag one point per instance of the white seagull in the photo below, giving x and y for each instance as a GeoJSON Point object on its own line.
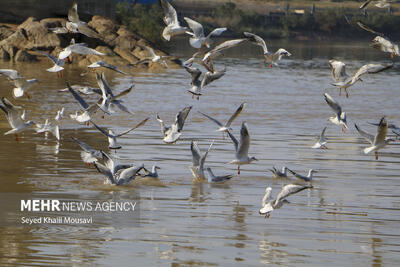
{"type": "Point", "coordinates": [112, 137]}
{"type": "Point", "coordinates": [80, 48]}
{"type": "Point", "coordinates": [321, 143]}
{"type": "Point", "coordinates": [103, 64]}
{"type": "Point", "coordinates": [242, 147]}
{"type": "Point", "coordinates": [86, 113]}
{"type": "Point", "coordinates": [379, 3]}
{"type": "Point", "coordinates": [14, 118]}
{"type": "Point", "coordinates": [306, 178]}
{"type": "Point", "coordinates": [173, 133]}
{"type": "Point", "coordinates": [340, 118]}
{"type": "Point", "coordinates": [47, 127]}
{"type": "Point", "coordinates": [198, 160]}
{"type": "Point", "coordinates": [20, 83]}
{"type": "Point", "coordinates": [379, 140]}
{"type": "Point", "coordinates": [152, 56]}
{"type": "Point", "coordinates": [58, 64]}
{"type": "Point", "coordinates": [382, 42]}
{"type": "Point", "coordinates": [153, 173]}
{"type": "Point", "coordinates": [227, 126]}
{"type": "Point", "coordinates": [75, 25]}
{"type": "Point", "coordinates": [171, 20]}
{"type": "Point", "coordinates": [199, 84]}
{"type": "Point", "coordinates": [268, 56]}
{"type": "Point", "coordinates": [268, 204]}
{"type": "Point", "coordinates": [217, 51]}
{"type": "Point", "coordinates": [198, 38]}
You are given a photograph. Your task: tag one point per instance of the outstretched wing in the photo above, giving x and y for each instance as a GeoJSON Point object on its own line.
{"type": "Point", "coordinates": [143, 122]}
{"type": "Point", "coordinates": [211, 118]}
{"type": "Point", "coordinates": [257, 40]}
{"type": "Point", "coordinates": [367, 136]}
{"type": "Point", "coordinates": [181, 118]}
{"type": "Point", "coordinates": [244, 143]}
{"type": "Point", "coordinates": [288, 190]}
{"type": "Point", "coordinates": [333, 104]}
{"type": "Point", "coordinates": [382, 132]}
{"type": "Point", "coordinates": [170, 15]}
{"type": "Point", "coordinates": [236, 114]}
{"type": "Point", "coordinates": [368, 29]}
{"type": "Point", "coordinates": [77, 97]}
{"type": "Point", "coordinates": [196, 27]}
{"type": "Point", "coordinates": [73, 13]}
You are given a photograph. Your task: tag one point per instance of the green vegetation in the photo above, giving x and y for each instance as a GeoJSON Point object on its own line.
{"type": "Point", "coordinates": [145, 20]}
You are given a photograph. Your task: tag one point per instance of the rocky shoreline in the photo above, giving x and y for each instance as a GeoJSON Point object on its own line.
{"type": "Point", "coordinates": [122, 47]}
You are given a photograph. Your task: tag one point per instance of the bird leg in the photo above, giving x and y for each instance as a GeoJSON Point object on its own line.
{"type": "Point", "coordinates": [58, 75]}
{"type": "Point", "coordinates": [16, 137]}
{"type": "Point", "coordinates": [28, 96]}
{"type": "Point", "coordinates": [223, 136]}
{"type": "Point", "coordinates": [198, 98]}
{"type": "Point", "coordinates": [343, 129]}
{"type": "Point", "coordinates": [270, 65]}
{"type": "Point", "coordinates": [68, 59]}
{"type": "Point", "coordinates": [324, 147]}
{"type": "Point", "coordinates": [340, 91]}
{"type": "Point", "coordinates": [267, 216]}
{"type": "Point", "coordinates": [376, 155]}
{"type": "Point", "coordinates": [88, 164]}
{"type": "Point", "coordinates": [239, 169]}
{"type": "Point", "coordinates": [192, 96]}
{"type": "Point", "coordinates": [347, 93]}
{"type": "Point", "coordinates": [392, 55]}
{"type": "Point", "coordinates": [265, 60]}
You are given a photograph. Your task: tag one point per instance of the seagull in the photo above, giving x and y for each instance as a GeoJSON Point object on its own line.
{"type": "Point", "coordinates": [21, 86]}
{"type": "Point", "coordinates": [99, 64]}
{"type": "Point", "coordinates": [116, 174]}
{"type": "Point", "coordinates": [13, 116]}
{"type": "Point", "coordinates": [380, 4]}
{"type": "Point", "coordinates": [47, 127]}
{"type": "Point", "coordinates": [321, 143]}
{"type": "Point", "coordinates": [171, 20]}
{"type": "Point", "coordinates": [227, 126]}
{"type": "Point", "coordinates": [365, 69]}
{"type": "Point", "coordinates": [340, 118]}
{"type": "Point", "coordinates": [279, 174]}
{"type": "Point", "coordinates": [198, 39]}
{"type": "Point", "coordinates": [80, 48]}
{"type": "Point", "coordinates": [153, 57]}
{"type": "Point", "coordinates": [153, 173]}
{"type": "Point", "coordinates": [217, 179]}
{"type": "Point", "coordinates": [112, 137]}
{"type": "Point", "coordinates": [198, 161]}
{"type": "Point", "coordinates": [382, 42]}
{"type": "Point", "coordinates": [89, 155]}
{"type": "Point", "coordinates": [85, 115]}
{"type": "Point", "coordinates": [338, 69]}
{"type": "Point", "coordinates": [198, 84]}
{"type": "Point", "coordinates": [60, 114]}
{"type": "Point", "coordinates": [75, 25]}
{"type": "Point", "coordinates": [11, 74]}
{"type": "Point", "coordinates": [216, 51]}
{"type": "Point", "coordinates": [307, 178]}
{"type": "Point", "coordinates": [268, 56]}
{"type": "Point", "coordinates": [174, 132]}
{"type": "Point", "coordinates": [242, 147]}
{"type": "Point", "coordinates": [379, 140]}
{"type": "Point", "coordinates": [58, 64]}
{"type": "Point", "coordinates": [108, 97]}
{"type": "Point", "coordinates": [268, 204]}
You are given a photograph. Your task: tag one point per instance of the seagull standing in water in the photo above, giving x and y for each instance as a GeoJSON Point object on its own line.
{"type": "Point", "coordinates": [227, 126]}
{"type": "Point", "coordinates": [14, 118]}
{"type": "Point", "coordinates": [268, 204]}
{"type": "Point", "coordinates": [279, 174]}
{"type": "Point", "coordinates": [173, 133]}
{"type": "Point", "coordinates": [153, 173]}
{"type": "Point", "coordinates": [112, 137]}
{"type": "Point", "coordinates": [242, 147]}
{"type": "Point", "coordinates": [268, 56]}
{"type": "Point", "coordinates": [379, 140]}
{"type": "Point", "coordinates": [306, 178]}
{"type": "Point", "coordinates": [198, 40]}
{"type": "Point", "coordinates": [217, 179]}
{"type": "Point", "coordinates": [321, 143]}
{"type": "Point", "coordinates": [171, 20]}
{"type": "Point", "coordinates": [340, 118]}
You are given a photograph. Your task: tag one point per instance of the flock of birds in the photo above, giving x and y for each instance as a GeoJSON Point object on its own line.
{"type": "Point", "coordinates": [120, 174]}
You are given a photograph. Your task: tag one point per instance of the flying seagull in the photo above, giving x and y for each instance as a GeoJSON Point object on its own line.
{"type": "Point", "coordinates": [173, 133]}
{"type": "Point", "coordinates": [198, 39]}
{"type": "Point", "coordinates": [340, 118]}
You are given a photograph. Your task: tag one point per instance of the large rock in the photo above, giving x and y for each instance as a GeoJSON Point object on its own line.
{"type": "Point", "coordinates": [38, 35]}
{"type": "Point", "coordinates": [126, 54]}
{"type": "Point", "coordinates": [5, 32]}
{"type": "Point", "coordinates": [23, 56]}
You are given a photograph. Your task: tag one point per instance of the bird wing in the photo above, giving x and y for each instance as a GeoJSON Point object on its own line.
{"type": "Point", "coordinates": [211, 118]}
{"type": "Point", "coordinates": [78, 98]}
{"type": "Point", "coordinates": [382, 132]}
{"type": "Point", "coordinates": [53, 59]}
{"type": "Point", "coordinates": [216, 32]}
{"type": "Point", "coordinates": [236, 114]}
{"type": "Point", "coordinates": [257, 40]}
{"type": "Point", "coordinates": [228, 44]}
{"type": "Point", "coordinates": [365, 4]}
{"type": "Point", "coordinates": [280, 53]}
{"type": "Point", "coordinates": [367, 136]}
{"type": "Point", "coordinates": [149, 50]}
{"type": "Point", "coordinates": [143, 122]}
{"type": "Point", "coordinates": [83, 145]}
{"type": "Point", "coordinates": [195, 72]}
{"type": "Point", "coordinates": [102, 130]}
{"type": "Point", "coordinates": [196, 154]}
{"type": "Point", "coordinates": [338, 70]}
{"type": "Point", "coordinates": [196, 27]}
{"type": "Point", "coordinates": [13, 113]}
{"type": "Point", "coordinates": [125, 92]}
{"type": "Point", "coordinates": [11, 74]}
{"type": "Point", "coordinates": [204, 157]}
{"type": "Point", "coordinates": [371, 69]}
{"type": "Point", "coordinates": [73, 13]}
{"type": "Point", "coordinates": [288, 190]}
{"type": "Point", "coordinates": [181, 118]}
{"type": "Point", "coordinates": [163, 127]}
{"type": "Point", "coordinates": [105, 171]}
{"type": "Point", "coordinates": [244, 143]}
{"type": "Point", "coordinates": [368, 29]}
{"type": "Point", "coordinates": [83, 50]}
{"type": "Point", "coordinates": [212, 76]}
{"type": "Point", "coordinates": [333, 104]}
{"type": "Point", "coordinates": [170, 15]}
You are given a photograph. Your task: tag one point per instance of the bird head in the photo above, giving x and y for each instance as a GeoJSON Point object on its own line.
{"type": "Point", "coordinates": [253, 159]}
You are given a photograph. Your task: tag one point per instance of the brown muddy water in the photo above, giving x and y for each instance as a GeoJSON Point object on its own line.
{"type": "Point", "coordinates": [351, 217]}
